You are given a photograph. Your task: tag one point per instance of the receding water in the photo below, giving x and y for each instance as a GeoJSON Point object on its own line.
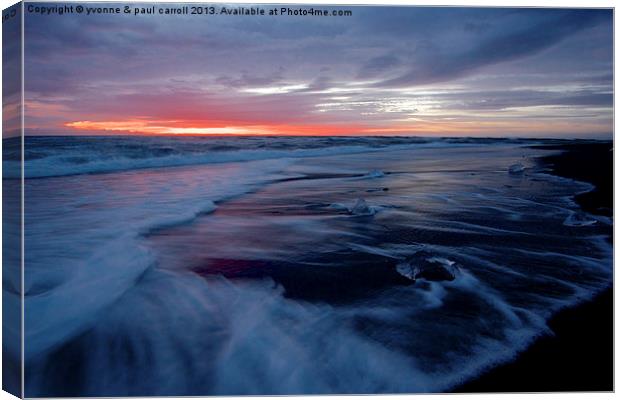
{"type": "Point", "coordinates": [171, 266]}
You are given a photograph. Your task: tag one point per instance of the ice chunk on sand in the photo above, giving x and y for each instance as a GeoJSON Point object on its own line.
{"type": "Point", "coordinates": [579, 219]}
{"type": "Point", "coordinates": [516, 169]}
{"type": "Point", "coordinates": [375, 173]}
{"type": "Point", "coordinates": [423, 265]}
{"type": "Point", "coordinates": [361, 208]}
{"type": "Point", "coordinates": [407, 270]}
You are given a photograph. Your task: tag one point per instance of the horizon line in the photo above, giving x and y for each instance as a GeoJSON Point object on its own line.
{"type": "Point", "coordinates": [211, 136]}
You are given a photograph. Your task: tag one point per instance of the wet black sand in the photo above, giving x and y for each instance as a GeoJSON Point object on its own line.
{"type": "Point", "coordinates": [579, 354]}
{"type": "Point", "coordinates": [587, 162]}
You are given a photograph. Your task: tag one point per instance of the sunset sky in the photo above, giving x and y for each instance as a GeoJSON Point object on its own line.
{"type": "Point", "coordinates": [382, 71]}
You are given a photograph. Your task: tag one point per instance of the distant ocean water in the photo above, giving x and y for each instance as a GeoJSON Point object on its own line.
{"type": "Point", "coordinates": [197, 266]}
{"type": "Point", "coordinates": [58, 156]}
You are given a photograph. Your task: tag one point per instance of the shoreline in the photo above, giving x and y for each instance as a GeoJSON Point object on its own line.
{"type": "Point", "coordinates": [579, 355]}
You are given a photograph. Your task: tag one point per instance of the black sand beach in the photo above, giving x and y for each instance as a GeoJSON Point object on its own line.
{"type": "Point", "coordinates": [579, 354]}
{"type": "Point", "coordinates": [270, 275]}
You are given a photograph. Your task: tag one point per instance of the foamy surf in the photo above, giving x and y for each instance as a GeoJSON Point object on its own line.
{"type": "Point", "coordinates": [273, 277]}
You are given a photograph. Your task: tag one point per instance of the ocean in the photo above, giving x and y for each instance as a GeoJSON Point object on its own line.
{"type": "Point", "coordinates": [292, 265]}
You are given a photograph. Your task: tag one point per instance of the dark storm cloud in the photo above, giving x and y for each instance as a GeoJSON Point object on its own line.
{"type": "Point", "coordinates": [505, 46]}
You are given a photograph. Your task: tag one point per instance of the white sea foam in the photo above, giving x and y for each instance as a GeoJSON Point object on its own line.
{"type": "Point", "coordinates": [102, 157]}
{"type": "Point", "coordinates": [110, 260]}
{"type": "Point", "coordinates": [88, 246]}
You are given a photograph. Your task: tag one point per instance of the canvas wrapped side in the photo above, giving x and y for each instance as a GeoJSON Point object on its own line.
{"type": "Point", "coordinates": [12, 185]}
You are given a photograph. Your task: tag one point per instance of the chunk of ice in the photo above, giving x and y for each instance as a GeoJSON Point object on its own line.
{"type": "Point", "coordinates": [515, 169]}
{"type": "Point", "coordinates": [375, 173]}
{"type": "Point", "coordinates": [361, 208]}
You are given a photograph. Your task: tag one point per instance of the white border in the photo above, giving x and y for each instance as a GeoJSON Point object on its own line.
{"type": "Point", "coordinates": [478, 3]}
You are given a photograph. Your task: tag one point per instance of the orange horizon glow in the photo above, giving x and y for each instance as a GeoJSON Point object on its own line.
{"type": "Point", "coordinates": [146, 127]}
{"type": "Point", "coordinates": [173, 127]}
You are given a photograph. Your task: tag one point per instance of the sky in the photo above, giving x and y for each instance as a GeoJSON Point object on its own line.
{"type": "Point", "coordinates": [382, 71]}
